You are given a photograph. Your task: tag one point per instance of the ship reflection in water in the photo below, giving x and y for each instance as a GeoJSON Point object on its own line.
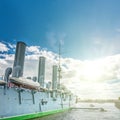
{"type": "Point", "coordinates": [84, 111]}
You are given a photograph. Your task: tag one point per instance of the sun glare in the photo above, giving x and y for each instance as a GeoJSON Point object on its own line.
{"type": "Point", "coordinates": [93, 71]}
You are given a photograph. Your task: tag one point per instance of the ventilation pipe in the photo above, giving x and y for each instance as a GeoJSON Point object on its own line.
{"type": "Point", "coordinates": [19, 60]}
{"type": "Point", "coordinates": [41, 71]}
{"type": "Point", "coordinates": [54, 77]}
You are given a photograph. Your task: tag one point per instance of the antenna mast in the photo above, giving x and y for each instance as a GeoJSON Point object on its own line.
{"type": "Point", "coordinates": [59, 66]}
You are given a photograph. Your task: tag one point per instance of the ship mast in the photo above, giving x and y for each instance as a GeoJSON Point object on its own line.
{"type": "Point", "coordinates": [59, 66]}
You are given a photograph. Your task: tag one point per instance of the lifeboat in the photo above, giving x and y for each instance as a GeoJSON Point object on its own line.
{"type": "Point", "coordinates": [25, 83]}
{"type": "Point", "coordinates": [43, 89]}
{"type": "Point", "coordinates": [2, 82]}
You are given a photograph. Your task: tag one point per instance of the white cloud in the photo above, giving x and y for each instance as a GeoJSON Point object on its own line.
{"type": "Point", "coordinates": [90, 79]}
{"type": "Point", "coordinates": [102, 69]}
{"type": "Point", "coordinates": [4, 63]}
{"type": "Point", "coordinates": [12, 46]}
{"type": "Point", "coordinates": [3, 47]}
{"type": "Point", "coordinates": [85, 78]}
{"type": "Point", "coordinates": [33, 49]}
{"type": "Point", "coordinates": [83, 84]}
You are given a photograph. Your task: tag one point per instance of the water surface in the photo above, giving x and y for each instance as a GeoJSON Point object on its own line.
{"type": "Point", "coordinates": [109, 112]}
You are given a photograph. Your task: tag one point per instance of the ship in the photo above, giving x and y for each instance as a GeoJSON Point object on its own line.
{"type": "Point", "coordinates": [24, 98]}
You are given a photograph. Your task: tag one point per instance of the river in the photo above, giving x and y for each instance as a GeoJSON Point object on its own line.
{"type": "Point", "coordinates": [104, 111]}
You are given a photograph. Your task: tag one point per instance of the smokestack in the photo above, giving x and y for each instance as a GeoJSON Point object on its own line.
{"type": "Point", "coordinates": [41, 71]}
{"type": "Point", "coordinates": [54, 77]}
{"type": "Point", "coordinates": [19, 60]}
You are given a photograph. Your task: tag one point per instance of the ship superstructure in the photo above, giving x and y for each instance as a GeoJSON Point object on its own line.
{"type": "Point", "coordinates": [25, 98]}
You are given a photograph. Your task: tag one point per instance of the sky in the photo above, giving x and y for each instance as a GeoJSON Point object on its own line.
{"type": "Point", "coordinates": [89, 33]}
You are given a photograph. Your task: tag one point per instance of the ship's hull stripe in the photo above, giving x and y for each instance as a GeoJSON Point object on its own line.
{"type": "Point", "coordinates": [33, 115]}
